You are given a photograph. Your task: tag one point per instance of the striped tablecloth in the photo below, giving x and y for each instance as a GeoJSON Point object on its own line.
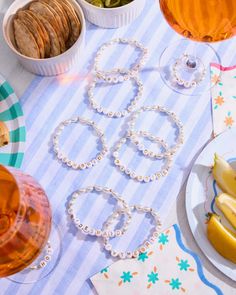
{"type": "Point", "coordinates": [47, 101]}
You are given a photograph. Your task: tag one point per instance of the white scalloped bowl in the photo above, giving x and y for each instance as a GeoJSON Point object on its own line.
{"type": "Point", "coordinates": [112, 17]}
{"type": "Point", "coordinates": [49, 66]}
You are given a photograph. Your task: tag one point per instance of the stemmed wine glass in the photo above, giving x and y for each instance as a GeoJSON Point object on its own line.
{"type": "Point", "coordinates": [25, 228]}
{"type": "Point", "coordinates": [185, 66]}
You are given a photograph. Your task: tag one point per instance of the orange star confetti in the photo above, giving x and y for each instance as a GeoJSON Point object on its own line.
{"type": "Point", "coordinates": [215, 79]}
{"type": "Point", "coordinates": [219, 100]}
{"type": "Point", "coordinates": [228, 121]}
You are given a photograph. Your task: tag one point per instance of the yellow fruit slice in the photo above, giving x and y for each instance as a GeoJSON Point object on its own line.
{"type": "Point", "coordinates": [224, 175]}
{"type": "Point", "coordinates": [221, 238]}
{"type": "Point", "coordinates": [227, 205]}
{"type": "Point", "coordinates": [4, 134]}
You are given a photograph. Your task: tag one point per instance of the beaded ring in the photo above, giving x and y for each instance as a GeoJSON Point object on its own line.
{"type": "Point", "coordinates": [145, 245]}
{"type": "Point", "coordinates": [163, 172]}
{"type": "Point", "coordinates": [179, 80]}
{"type": "Point", "coordinates": [129, 72]}
{"type": "Point", "coordinates": [93, 231]}
{"type": "Point", "coordinates": [63, 158]}
{"type": "Point", "coordinates": [48, 249]}
{"type": "Point", "coordinates": [115, 80]}
{"type": "Point", "coordinates": [133, 135]}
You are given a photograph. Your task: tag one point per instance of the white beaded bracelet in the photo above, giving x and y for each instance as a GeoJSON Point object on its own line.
{"type": "Point", "coordinates": [180, 80]}
{"type": "Point", "coordinates": [48, 249]}
{"type": "Point", "coordinates": [145, 245]}
{"type": "Point", "coordinates": [93, 231]}
{"type": "Point", "coordinates": [141, 147]}
{"type": "Point", "coordinates": [130, 72]}
{"type": "Point", "coordinates": [133, 135]}
{"type": "Point", "coordinates": [113, 79]}
{"type": "Point", "coordinates": [131, 173]}
{"type": "Point", "coordinates": [63, 158]}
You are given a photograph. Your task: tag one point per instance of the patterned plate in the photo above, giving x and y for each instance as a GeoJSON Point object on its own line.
{"type": "Point", "coordinates": [11, 113]}
{"type": "Point", "coordinates": [200, 196]}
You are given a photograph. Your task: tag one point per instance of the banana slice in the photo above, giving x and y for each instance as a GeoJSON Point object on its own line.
{"type": "Point", "coordinates": [221, 238]}
{"type": "Point", "coordinates": [224, 175]}
{"type": "Point", "coordinates": [227, 205]}
{"type": "Point", "coordinates": [4, 134]}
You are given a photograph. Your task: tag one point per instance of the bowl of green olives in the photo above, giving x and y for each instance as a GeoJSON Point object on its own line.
{"type": "Point", "coordinates": [111, 13]}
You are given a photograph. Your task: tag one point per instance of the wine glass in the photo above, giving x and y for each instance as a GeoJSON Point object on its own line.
{"type": "Point", "coordinates": [25, 227]}
{"type": "Point", "coordinates": [199, 20]}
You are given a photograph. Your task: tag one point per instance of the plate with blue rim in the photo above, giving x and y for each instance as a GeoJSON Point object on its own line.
{"type": "Point", "coordinates": [201, 191]}
{"type": "Point", "coordinates": [12, 115]}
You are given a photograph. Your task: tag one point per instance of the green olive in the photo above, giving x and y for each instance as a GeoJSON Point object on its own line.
{"type": "Point", "coordinates": [112, 3]}
{"type": "Point", "coordinates": [97, 3]}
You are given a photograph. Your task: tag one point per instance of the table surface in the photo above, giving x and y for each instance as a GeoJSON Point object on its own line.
{"type": "Point", "coordinates": [30, 89]}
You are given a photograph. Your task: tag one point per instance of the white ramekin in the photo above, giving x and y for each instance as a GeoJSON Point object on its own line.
{"type": "Point", "coordinates": [48, 66]}
{"type": "Point", "coordinates": [112, 17]}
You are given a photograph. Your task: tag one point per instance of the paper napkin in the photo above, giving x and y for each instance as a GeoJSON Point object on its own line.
{"type": "Point", "coordinates": [223, 96]}
{"type": "Point", "coordinates": [168, 267]}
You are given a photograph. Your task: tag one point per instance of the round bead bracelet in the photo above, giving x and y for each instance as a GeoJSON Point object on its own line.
{"type": "Point", "coordinates": [131, 173]}
{"type": "Point", "coordinates": [115, 80]}
{"type": "Point", "coordinates": [63, 158]}
{"type": "Point", "coordinates": [99, 232]}
{"type": "Point", "coordinates": [141, 147]}
{"type": "Point", "coordinates": [48, 249]}
{"type": "Point", "coordinates": [145, 245]}
{"type": "Point", "coordinates": [180, 80]}
{"type": "Point", "coordinates": [133, 135]}
{"type": "Point", "coordinates": [129, 72]}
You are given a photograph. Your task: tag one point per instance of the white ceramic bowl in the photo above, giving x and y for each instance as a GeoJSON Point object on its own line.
{"type": "Point", "coordinates": [112, 17]}
{"type": "Point", "coordinates": [48, 66]}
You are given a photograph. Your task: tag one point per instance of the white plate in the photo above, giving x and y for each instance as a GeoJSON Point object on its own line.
{"type": "Point", "coordinates": [200, 192]}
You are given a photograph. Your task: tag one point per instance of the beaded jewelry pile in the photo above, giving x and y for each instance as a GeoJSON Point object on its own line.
{"type": "Point", "coordinates": [106, 233]}
{"type": "Point", "coordinates": [118, 75]}
{"type": "Point", "coordinates": [115, 76]}
{"type": "Point", "coordinates": [134, 135]}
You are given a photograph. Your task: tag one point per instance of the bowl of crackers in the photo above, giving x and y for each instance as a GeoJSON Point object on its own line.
{"type": "Point", "coordinates": [47, 36]}
{"type": "Point", "coordinates": [111, 13]}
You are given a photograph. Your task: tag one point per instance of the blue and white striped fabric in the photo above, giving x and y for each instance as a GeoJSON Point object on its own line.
{"type": "Point", "coordinates": [48, 101]}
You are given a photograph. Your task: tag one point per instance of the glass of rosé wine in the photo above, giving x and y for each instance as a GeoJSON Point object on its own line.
{"type": "Point", "coordinates": [25, 226]}
{"type": "Point", "coordinates": [185, 65]}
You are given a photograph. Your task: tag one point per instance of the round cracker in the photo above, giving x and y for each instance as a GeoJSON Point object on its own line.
{"type": "Point", "coordinates": [74, 22]}
{"type": "Point", "coordinates": [33, 18]}
{"type": "Point", "coordinates": [65, 25]}
{"type": "Point", "coordinates": [54, 42]}
{"type": "Point", "coordinates": [57, 17]}
{"type": "Point", "coordinates": [45, 11]}
{"type": "Point", "coordinates": [33, 28]}
{"type": "Point", "coordinates": [25, 40]}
